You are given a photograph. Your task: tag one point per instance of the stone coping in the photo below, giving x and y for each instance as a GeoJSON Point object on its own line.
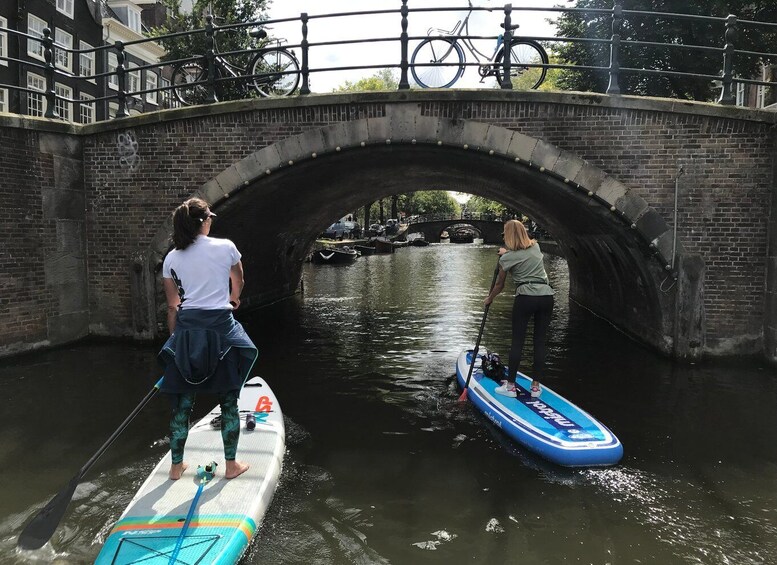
{"type": "Point", "coordinates": [586, 99]}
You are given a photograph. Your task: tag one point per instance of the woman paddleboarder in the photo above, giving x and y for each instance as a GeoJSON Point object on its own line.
{"type": "Point", "coordinates": [522, 258]}
{"type": "Point", "coordinates": [208, 351]}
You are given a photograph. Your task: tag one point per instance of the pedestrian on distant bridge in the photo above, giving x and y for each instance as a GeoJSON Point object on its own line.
{"type": "Point", "coordinates": [522, 258]}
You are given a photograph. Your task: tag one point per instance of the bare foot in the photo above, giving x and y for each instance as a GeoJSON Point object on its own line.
{"type": "Point", "coordinates": [177, 470]}
{"type": "Point", "coordinates": [235, 469]}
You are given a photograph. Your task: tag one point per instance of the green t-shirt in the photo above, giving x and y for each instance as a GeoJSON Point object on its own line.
{"type": "Point", "coordinates": [527, 270]}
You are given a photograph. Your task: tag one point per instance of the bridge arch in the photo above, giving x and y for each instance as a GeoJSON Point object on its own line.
{"type": "Point", "coordinates": [619, 249]}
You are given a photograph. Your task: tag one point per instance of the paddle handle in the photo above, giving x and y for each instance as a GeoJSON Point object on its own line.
{"type": "Point", "coordinates": [120, 429]}
{"type": "Point", "coordinates": [480, 335]}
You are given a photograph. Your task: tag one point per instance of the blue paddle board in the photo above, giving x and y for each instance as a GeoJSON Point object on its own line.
{"type": "Point", "coordinates": [548, 425]}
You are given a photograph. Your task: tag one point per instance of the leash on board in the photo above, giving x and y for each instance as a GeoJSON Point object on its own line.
{"type": "Point", "coordinates": [205, 474]}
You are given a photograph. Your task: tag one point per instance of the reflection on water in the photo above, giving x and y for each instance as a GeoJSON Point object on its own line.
{"type": "Point", "coordinates": [385, 466]}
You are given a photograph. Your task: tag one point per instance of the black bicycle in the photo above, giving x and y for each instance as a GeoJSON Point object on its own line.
{"type": "Point", "coordinates": [438, 61]}
{"type": "Point", "coordinates": [273, 71]}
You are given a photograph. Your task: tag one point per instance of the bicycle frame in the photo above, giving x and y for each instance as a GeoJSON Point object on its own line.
{"type": "Point", "coordinates": [462, 27]}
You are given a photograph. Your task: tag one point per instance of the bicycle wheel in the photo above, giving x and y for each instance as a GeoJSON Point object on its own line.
{"type": "Point", "coordinates": [277, 70]}
{"type": "Point", "coordinates": [437, 62]}
{"type": "Point", "coordinates": [523, 52]}
{"type": "Point", "coordinates": [190, 80]}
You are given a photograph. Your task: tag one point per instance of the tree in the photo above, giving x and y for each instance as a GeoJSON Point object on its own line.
{"type": "Point", "coordinates": [427, 202]}
{"type": "Point", "coordinates": [662, 30]}
{"type": "Point", "coordinates": [480, 206]}
{"type": "Point", "coordinates": [384, 79]}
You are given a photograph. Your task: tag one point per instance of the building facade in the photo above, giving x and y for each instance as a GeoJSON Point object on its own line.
{"type": "Point", "coordinates": [83, 26]}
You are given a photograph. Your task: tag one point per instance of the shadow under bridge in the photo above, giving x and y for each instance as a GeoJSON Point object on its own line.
{"type": "Point", "coordinates": [615, 271]}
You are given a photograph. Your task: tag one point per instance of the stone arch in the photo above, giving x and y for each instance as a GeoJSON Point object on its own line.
{"type": "Point", "coordinates": [600, 264]}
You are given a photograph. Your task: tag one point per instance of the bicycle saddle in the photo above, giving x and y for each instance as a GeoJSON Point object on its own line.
{"type": "Point", "coordinates": [516, 26]}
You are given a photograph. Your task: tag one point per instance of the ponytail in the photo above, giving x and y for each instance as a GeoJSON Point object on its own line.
{"type": "Point", "coordinates": [187, 222]}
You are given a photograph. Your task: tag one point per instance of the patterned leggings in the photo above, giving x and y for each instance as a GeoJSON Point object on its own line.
{"type": "Point", "coordinates": [230, 424]}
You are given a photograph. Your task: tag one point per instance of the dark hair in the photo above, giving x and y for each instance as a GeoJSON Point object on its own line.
{"type": "Point", "coordinates": [187, 222]}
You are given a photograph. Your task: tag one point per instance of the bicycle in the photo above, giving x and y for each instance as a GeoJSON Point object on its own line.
{"type": "Point", "coordinates": [438, 62]}
{"type": "Point", "coordinates": [273, 71]}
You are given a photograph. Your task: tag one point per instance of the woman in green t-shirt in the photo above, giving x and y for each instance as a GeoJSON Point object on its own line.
{"type": "Point", "coordinates": [522, 258]}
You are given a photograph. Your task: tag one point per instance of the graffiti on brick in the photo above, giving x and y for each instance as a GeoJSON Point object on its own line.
{"type": "Point", "coordinates": [128, 150]}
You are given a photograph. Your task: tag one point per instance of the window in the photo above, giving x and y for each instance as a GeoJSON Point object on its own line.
{"type": "Point", "coordinates": [167, 95]}
{"type": "Point", "coordinates": [133, 79]}
{"type": "Point", "coordinates": [740, 94]}
{"type": "Point", "coordinates": [36, 104]}
{"type": "Point", "coordinates": [3, 99]}
{"type": "Point", "coordinates": [35, 27]}
{"type": "Point", "coordinates": [64, 107]}
{"type": "Point", "coordinates": [760, 101]}
{"type": "Point", "coordinates": [133, 19]}
{"type": "Point", "coordinates": [3, 42]}
{"type": "Point", "coordinates": [85, 60]}
{"type": "Point", "coordinates": [66, 7]}
{"type": "Point", "coordinates": [151, 82]}
{"type": "Point", "coordinates": [113, 80]}
{"type": "Point", "coordinates": [86, 111]}
{"type": "Point", "coordinates": [62, 58]}
{"type": "Point", "coordinates": [113, 109]}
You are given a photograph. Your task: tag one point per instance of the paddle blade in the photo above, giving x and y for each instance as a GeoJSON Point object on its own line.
{"type": "Point", "coordinates": [42, 527]}
{"type": "Point", "coordinates": [463, 397]}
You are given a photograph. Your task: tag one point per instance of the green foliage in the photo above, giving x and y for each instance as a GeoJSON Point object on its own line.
{"type": "Point", "coordinates": [384, 79]}
{"type": "Point", "coordinates": [480, 206]}
{"type": "Point", "coordinates": [425, 202]}
{"type": "Point", "coordinates": [663, 30]}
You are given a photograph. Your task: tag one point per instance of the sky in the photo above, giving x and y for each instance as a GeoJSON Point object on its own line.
{"type": "Point", "coordinates": [389, 25]}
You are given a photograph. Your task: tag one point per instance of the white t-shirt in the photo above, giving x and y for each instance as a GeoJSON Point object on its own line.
{"type": "Point", "coordinates": [201, 272]}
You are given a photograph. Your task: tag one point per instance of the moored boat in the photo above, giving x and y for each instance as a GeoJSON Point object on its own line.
{"type": "Point", "coordinates": [383, 245]}
{"type": "Point", "coordinates": [334, 255]}
{"type": "Point", "coordinates": [417, 240]}
{"type": "Point", "coordinates": [364, 249]}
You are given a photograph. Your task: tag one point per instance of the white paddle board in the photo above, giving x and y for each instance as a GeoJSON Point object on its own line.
{"type": "Point", "coordinates": [228, 512]}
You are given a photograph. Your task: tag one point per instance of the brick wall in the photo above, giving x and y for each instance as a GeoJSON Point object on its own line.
{"type": "Point", "coordinates": [24, 302]}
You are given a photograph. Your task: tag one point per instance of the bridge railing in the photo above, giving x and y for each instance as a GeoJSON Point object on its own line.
{"type": "Point", "coordinates": [418, 219]}
{"type": "Point", "coordinates": [55, 56]}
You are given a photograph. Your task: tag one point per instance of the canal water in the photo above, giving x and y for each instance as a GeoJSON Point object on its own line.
{"type": "Point", "coordinates": [385, 466]}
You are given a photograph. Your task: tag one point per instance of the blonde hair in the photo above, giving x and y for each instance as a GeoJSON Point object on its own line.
{"type": "Point", "coordinates": [516, 236]}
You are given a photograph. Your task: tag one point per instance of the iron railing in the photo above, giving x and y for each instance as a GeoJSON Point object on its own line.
{"type": "Point", "coordinates": [725, 49]}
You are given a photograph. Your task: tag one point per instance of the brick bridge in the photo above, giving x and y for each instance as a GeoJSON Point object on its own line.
{"type": "Point", "coordinates": [86, 208]}
{"type": "Point", "coordinates": [490, 230]}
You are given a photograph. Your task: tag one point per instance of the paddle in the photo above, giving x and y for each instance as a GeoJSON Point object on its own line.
{"type": "Point", "coordinates": [463, 396]}
{"type": "Point", "coordinates": [205, 474]}
{"type": "Point", "coordinates": [42, 526]}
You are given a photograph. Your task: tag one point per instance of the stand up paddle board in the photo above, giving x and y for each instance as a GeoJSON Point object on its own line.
{"type": "Point", "coordinates": [227, 513]}
{"type": "Point", "coordinates": [549, 425]}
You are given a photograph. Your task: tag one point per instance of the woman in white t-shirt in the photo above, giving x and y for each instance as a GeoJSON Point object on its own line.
{"type": "Point", "coordinates": [208, 350]}
{"type": "Point", "coordinates": [522, 259]}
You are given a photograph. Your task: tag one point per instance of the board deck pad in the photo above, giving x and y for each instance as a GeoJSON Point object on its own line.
{"type": "Point", "coordinates": [549, 425]}
{"type": "Point", "coordinates": [228, 511]}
